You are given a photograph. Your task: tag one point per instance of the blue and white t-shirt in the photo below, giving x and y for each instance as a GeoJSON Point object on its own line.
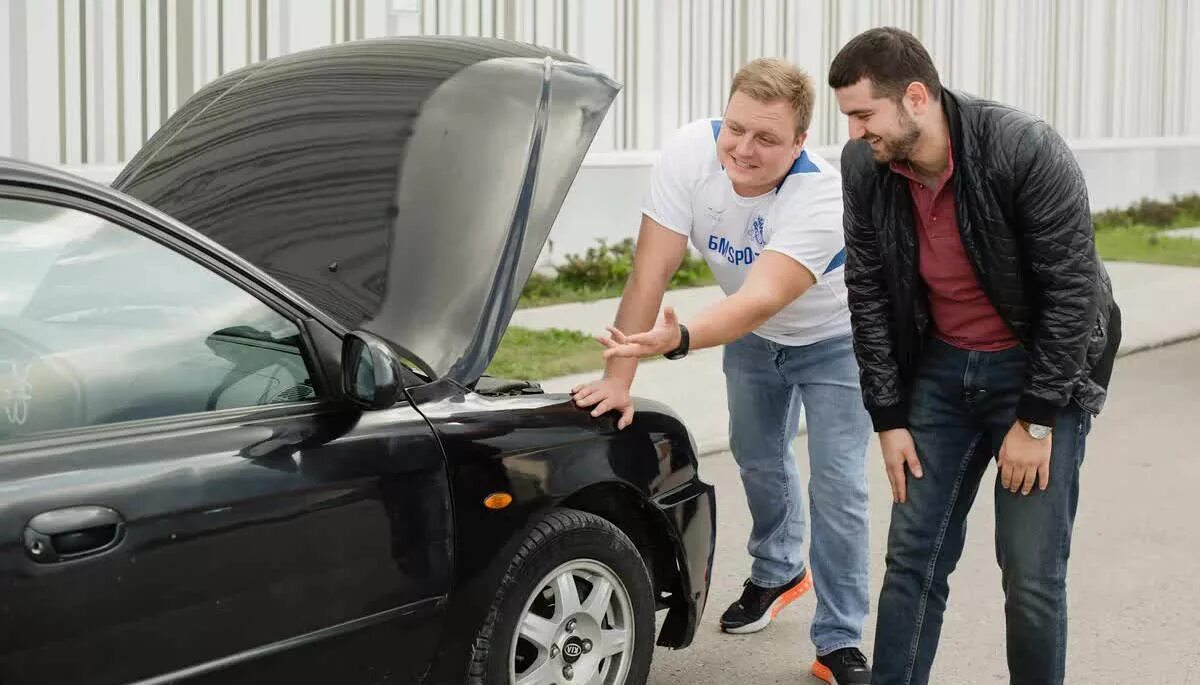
{"type": "Point", "coordinates": [690, 194]}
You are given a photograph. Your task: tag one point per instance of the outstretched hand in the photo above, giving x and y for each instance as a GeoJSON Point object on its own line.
{"type": "Point", "coordinates": [659, 340]}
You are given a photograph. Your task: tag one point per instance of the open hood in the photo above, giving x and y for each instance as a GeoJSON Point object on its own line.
{"type": "Point", "coordinates": [406, 186]}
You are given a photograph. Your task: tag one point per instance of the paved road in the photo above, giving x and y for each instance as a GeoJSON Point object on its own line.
{"type": "Point", "coordinates": [1135, 569]}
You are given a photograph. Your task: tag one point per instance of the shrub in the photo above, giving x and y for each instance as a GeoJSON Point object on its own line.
{"type": "Point", "coordinates": [1156, 213]}
{"type": "Point", "coordinates": [602, 272]}
{"type": "Point", "coordinates": [602, 266]}
{"type": "Point", "coordinates": [609, 266]}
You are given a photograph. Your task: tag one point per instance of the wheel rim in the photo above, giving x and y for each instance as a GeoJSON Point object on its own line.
{"type": "Point", "coordinates": [576, 629]}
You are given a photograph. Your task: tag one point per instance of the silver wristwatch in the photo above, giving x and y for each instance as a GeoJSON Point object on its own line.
{"type": "Point", "coordinates": [1037, 431]}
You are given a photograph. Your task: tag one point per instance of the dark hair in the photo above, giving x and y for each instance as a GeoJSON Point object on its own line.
{"type": "Point", "coordinates": [891, 58]}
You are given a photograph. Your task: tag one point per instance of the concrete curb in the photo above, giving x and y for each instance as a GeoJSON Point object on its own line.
{"type": "Point", "coordinates": [712, 447]}
{"type": "Point", "coordinates": [1150, 346]}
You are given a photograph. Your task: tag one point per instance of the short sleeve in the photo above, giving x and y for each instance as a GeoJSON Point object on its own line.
{"type": "Point", "coordinates": [674, 178]}
{"type": "Point", "coordinates": [807, 225]}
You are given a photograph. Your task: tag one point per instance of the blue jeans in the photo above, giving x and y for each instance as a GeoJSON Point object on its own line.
{"type": "Point", "coordinates": [767, 383]}
{"type": "Point", "coordinates": [963, 404]}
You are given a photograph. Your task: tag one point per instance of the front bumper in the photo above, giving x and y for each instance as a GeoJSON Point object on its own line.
{"type": "Point", "coordinates": [692, 512]}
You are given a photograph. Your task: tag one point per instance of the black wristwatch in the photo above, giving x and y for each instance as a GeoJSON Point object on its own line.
{"type": "Point", "coordinates": [681, 351]}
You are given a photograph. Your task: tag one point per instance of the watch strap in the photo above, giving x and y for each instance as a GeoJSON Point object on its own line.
{"type": "Point", "coordinates": [684, 343]}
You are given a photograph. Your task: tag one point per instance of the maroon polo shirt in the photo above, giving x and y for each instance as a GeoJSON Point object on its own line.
{"type": "Point", "coordinates": [962, 314]}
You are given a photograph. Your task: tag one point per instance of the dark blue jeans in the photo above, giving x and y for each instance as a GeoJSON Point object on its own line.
{"type": "Point", "coordinates": [963, 404]}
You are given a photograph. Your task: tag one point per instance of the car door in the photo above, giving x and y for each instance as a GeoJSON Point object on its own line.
{"type": "Point", "coordinates": [181, 493]}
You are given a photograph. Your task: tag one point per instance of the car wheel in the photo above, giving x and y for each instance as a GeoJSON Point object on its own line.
{"type": "Point", "coordinates": [574, 606]}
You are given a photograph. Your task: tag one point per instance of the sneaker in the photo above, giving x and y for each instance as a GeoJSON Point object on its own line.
{"type": "Point", "coordinates": [845, 666]}
{"type": "Point", "coordinates": [758, 605]}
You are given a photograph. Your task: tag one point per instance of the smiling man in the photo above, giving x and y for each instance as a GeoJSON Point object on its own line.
{"type": "Point", "coordinates": [767, 215]}
{"type": "Point", "coordinates": [985, 328]}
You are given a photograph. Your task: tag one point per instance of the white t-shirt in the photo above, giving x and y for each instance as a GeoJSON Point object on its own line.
{"type": "Point", "coordinates": [691, 194]}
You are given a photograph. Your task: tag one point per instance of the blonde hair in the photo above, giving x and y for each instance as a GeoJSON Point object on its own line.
{"type": "Point", "coordinates": [767, 79]}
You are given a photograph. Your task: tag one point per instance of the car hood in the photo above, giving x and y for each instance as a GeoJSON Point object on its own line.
{"type": "Point", "coordinates": [406, 186]}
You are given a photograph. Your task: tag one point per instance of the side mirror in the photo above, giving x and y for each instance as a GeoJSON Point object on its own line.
{"type": "Point", "coordinates": [370, 371]}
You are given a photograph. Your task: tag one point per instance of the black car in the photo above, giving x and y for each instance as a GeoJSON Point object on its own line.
{"type": "Point", "coordinates": [245, 431]}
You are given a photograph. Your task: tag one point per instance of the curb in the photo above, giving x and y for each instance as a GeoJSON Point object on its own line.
{"type": "Point", "coordinates": [711, 447]}
{"type": "Point", "coordinates": [1167, 342]}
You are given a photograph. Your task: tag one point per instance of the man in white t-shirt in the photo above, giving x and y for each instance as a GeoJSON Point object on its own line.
{"type": "Point", "coordinates": [767, 215]}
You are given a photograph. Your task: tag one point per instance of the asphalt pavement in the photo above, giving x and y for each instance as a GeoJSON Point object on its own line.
{"type": "Point", "coordinates": [1134, 598]}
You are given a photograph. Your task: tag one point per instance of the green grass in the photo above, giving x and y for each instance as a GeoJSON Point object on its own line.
{"type": "Point", "coordinates": [553, 292]}
{"type": "Point", "coordinates": [1134, 233]}
{"type": "Point", "coordinates": [527, 354]}
{"type": "Point", "coordinates": [1146, 244]}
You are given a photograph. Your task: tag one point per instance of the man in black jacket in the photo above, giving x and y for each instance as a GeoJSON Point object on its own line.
{"type": "Point", "coordinates": [984, 327]}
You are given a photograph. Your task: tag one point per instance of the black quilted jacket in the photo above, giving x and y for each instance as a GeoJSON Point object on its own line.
{"type": "Point", "coordinates": [1023, 214]}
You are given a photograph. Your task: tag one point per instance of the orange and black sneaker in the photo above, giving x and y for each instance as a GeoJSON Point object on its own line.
{"type": "Point", "coordinates": [843, 667]}
{"type": "Point", "coordinates": [758, 605]}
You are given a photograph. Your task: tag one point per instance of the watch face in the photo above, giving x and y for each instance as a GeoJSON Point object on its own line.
{"type": "Point", "coordinates": [1039, 432]}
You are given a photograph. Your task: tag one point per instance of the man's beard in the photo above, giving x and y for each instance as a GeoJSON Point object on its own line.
{"type": "Point", "coordinates": [901, 147]}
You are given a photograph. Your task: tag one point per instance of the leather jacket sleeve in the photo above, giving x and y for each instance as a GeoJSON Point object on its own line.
{"type": "Point", "coordinates": [1058, 243]}
{"type": "Point", "coordinates": [869, 301]}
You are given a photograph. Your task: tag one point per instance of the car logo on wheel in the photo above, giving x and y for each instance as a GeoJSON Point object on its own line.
{"type": "Point", "coordinates": [572, 650]}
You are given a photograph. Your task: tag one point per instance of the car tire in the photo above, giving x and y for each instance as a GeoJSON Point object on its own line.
{"type": "Point", "coordinates": [532, 634]}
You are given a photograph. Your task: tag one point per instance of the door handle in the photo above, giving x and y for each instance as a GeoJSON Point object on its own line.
{"type": "Point", "coordinates": [72, 533]}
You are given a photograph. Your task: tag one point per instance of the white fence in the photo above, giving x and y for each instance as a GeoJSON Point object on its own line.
{"type": "Point", "coordinates": [86, 81]}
